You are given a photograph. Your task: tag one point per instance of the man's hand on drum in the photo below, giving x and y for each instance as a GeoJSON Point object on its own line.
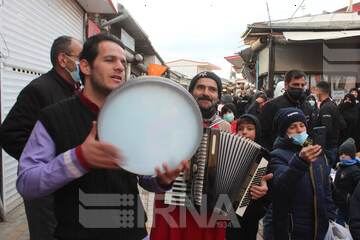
{"type": "Point", "coordinates": [99, 154]}
{"type": "Point", "coordinates": [168, 176]}
{"type": "Point", "coordinates": [258, 191]}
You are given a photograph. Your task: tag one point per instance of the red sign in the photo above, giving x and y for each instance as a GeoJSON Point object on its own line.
{"type": "Point", "coordinates": [92, 29]}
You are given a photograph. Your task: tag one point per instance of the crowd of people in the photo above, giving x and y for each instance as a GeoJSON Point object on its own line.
{"type": "Point", "coordinates": [51, 130]}
{"type": "Point", "coordinates": [289, 207]}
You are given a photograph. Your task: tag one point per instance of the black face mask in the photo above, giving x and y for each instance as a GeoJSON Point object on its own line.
{"type": "Point", "coordinates": [298, 94]}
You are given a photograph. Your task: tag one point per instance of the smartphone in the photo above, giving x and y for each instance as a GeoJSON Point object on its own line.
{"type": "Point", "coordinates": [319, 136]}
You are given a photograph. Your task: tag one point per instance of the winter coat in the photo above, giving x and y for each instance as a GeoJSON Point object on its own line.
{"type": "Point", "coordinates": [329, 116]}
{"type": "Point", "coordinates": [45, 90]}
{"type": "Point", "coordinates": [350, 113]}
{"type": "Point", "coordinates": [269, 111]}
{"type": "Point", "coordinates": [256, 209]}
{"type": "Point", "coordinates": [302, 203]}
{"type": "Point", "coordinates": [346, 179]}
{"type": "Point", "coordinates": [354, 214]}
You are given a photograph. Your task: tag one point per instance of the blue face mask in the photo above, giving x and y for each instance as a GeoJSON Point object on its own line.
{"type": "Point", "coordinates": [299, 139]}
{"type": "Point", "coordinates": [312, 102]}
{"type": "Point", "coordinates": [229, 117]}
{"type": "Point", "coordinates": [75, 75]}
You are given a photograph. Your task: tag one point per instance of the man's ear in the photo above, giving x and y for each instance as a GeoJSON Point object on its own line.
{"type": "Point", "coordinates": [61, 60]}
{"type": "Point", "coordinates": [286, 85]}
{"type": "Point", "coordinates": [85, 67]}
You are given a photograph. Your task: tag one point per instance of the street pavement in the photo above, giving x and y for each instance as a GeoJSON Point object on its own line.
{"type": "Point", "coordinates": [15, 227]}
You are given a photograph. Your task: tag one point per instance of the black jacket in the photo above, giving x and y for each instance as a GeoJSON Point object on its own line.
{"type": "Point", "coordinates": [302, 203]}
{"type": "Point", "coordinates": [256, 208]}
{"type": "Point", "coordinates": [350, 113]}
{"type": "Point", "coordinates": [354, 214]}
{"type": "Point", "coordinates": [346, 179]}
{"type": "Point", "coordinates": [269, 111]}
{"type": "Point", "coordinates": [39, 93]}
{"type": "Point", "coordinates": [329, 116]}
{"type": "Point", "coordinates": [254, 109]}
{"type": "Point", "coordinates": [69, 123]}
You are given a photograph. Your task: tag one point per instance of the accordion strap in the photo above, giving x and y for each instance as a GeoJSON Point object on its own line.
{"type": "Point", "coordinates": [216, 121]}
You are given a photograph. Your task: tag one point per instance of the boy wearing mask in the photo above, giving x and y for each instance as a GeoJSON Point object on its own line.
{"type": "Point", "coordinates": [301, 175]}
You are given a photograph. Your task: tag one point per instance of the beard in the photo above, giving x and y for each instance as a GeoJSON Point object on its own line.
{"type": "Point", "coordinates": [100, 87]}
{"type": "Point", "coordinates": [208, 112]}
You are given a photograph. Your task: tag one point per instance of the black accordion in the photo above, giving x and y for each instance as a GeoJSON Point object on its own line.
{"type": "Point", "coordinates": [224, 165]}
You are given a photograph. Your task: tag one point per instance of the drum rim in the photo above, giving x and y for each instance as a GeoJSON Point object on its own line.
{"type": "Point", "coordinates": [158, 80]}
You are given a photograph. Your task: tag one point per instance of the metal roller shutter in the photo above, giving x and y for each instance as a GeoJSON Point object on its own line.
{"type": "Point", "coordinates": [28, 28]}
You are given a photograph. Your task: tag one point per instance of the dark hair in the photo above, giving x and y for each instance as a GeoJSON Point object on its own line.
{"type": "Point", "coordinates": [269, 93]}
{"type": "Point", "coordinates": [228, 107]}
{"type": "Point", "coordinates": [260, 94]}
{"type": "Point", "coordinates": [61, 44]}
{"type": "Point", "coordinates": [354, 89]}
{"type": "Point", "coordinates": [294, 74]}
{"type": "Point", "coordinates": [244, 120]}
{"type": "Point", "coordinates": [91, 46]}
{"type": "Point", "coordinates": [311, 97]}
{"type": "Point", "coordinates": [323, 86]}
{"type": "Point", "coordinates": [351, 97]}
{"type": "Point", "coordinates": [226, 98]}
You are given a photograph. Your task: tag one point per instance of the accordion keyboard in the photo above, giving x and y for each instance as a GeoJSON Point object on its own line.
{"type": "Point", "coordinates": [255, 179]}
{"type": "Point", "coordinates": [201, 159]}
{"type": "Point", "coordinates": [177, 194]}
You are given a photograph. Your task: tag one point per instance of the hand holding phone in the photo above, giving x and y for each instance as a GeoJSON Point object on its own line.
{"type": "Point", "coordinates": [319, 136]}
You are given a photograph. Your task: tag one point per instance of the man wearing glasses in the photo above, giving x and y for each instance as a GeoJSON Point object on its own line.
{"type": "Point", "coordinates": [61, 82]}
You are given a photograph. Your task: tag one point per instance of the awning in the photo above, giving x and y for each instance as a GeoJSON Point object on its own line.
{"type": "Point", "coordinates": [235, 60]}
{"type": "Point", "coordinates": [304, 36]}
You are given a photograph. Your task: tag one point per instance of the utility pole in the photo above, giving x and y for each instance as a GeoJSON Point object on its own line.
{"type": "Point", "coordinates": [350, 7]}
{"type": "Point", "coordinates": [271, 66]}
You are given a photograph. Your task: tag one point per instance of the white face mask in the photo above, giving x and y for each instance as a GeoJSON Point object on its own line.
{"type": "Point", "coordinates": [300, 138]}
{"type": "Point", "coordinates": [312, 102]}
{"type": "Point", "coordinates": [229, 117]}
{"type": "Point", "coordinates": [75, 75]}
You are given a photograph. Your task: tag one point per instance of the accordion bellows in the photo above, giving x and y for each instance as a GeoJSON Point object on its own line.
{"type": "Point", "coordinates": [224, 166]}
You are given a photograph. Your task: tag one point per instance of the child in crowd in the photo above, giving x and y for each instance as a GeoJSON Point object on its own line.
{"type": "Point", "coordinates": [346, 179]}
{"type": "Point", "coordinates": [249, 126]}
{"type": "Point", "coordinates": [228, 113]}
{"type": "Point", "coordinates": [300, 177]}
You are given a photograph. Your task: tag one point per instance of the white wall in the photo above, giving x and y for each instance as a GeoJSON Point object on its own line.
{"type": "Point", "coordinates": [189, 71]}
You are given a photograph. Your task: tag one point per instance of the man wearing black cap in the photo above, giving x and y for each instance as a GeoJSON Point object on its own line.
{"type": "Point", "coordinates": [206, 88]}
{"type": "Point", "coordinates": [294, 96]}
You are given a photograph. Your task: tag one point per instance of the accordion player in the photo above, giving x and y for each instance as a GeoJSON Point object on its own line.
{"type": "Point", "coordinates": [225, 165]}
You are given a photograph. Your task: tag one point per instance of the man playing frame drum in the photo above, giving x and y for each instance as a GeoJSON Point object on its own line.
{"type": "Point", "coordinates": [94, 197]}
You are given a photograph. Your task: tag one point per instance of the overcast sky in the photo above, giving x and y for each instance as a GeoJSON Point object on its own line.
{"type": "Point", "coordinates": [209, 30]}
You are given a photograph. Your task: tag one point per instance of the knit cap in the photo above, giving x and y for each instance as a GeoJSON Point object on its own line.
{"type": "Point", "coordinates": [206, 74]}
{"type": "Point", "coordinates": [348, 148]}
{"type": "Point", "coordinates": [285, 117]}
